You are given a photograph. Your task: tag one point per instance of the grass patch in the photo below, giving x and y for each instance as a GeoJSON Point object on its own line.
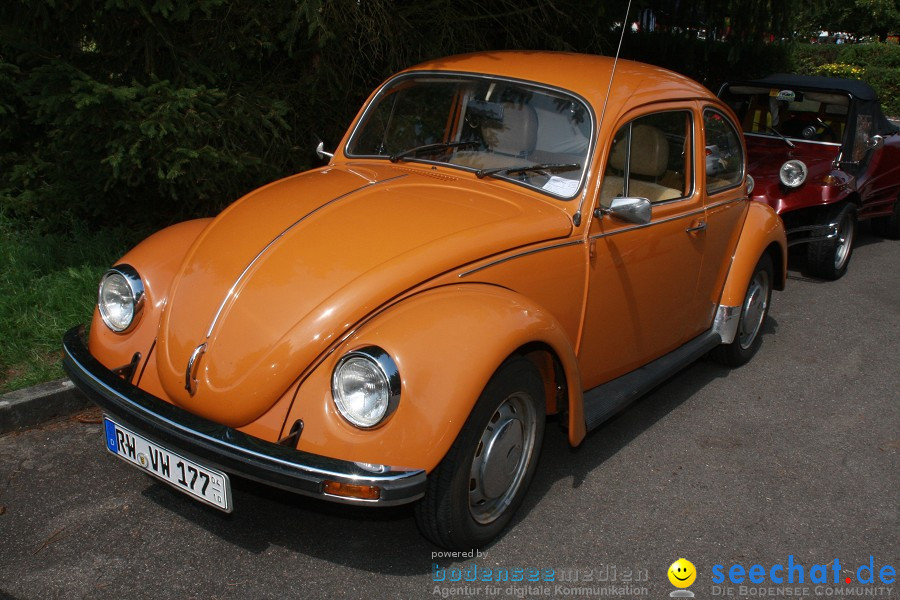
{"type": "Point", "coordinates": [48, 283]}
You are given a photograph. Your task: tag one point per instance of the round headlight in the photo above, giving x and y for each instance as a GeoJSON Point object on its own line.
{"type": "Point", "coordinates": [366, 386]}
{"type": "Point", "coordinates": [120, 298]}
{"type": "Point", "coordinates": [793, 173]}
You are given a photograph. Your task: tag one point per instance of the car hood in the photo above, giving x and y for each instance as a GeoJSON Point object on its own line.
{"type": "Point", "coordinates": [765, 157]}
{"type": "Point", "coordinates": [284, 272]}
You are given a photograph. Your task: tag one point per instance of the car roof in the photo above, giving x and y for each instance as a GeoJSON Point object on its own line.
{"type": "Point", "coordinates": [585, 74]}
{"type": "Point", "coordinates": [854, 87]}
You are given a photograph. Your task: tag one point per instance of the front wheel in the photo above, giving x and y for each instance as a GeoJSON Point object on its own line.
{"type": "Point", "coordinates": [472, 495]}
{"type": "Point", "coordinates": [754, 310]}
{"type": "Point", "coordinates": [828, 259]}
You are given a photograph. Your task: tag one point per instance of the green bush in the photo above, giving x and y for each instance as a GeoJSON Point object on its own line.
{"type": "Point", "coordinates": [876, 64]}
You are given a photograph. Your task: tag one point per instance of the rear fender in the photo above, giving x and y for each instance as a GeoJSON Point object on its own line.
{"type": "Point", "coordinates": [447, 343]}
{"type": "Point", "coordinates": [763, 232]}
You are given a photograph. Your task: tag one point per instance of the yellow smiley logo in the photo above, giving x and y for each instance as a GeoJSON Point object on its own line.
{"type": "Point", "coordinates": [682, 573]}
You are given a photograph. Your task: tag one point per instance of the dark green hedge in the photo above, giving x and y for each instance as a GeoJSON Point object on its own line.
{"type": "Point", "coordinates": [144, 112]}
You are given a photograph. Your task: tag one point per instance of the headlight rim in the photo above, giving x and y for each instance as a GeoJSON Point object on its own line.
{"type": "Point", "coordinates": [388, 369]}
{"type": "Point", "coordinates": [135, 285]}
{"type": "Point", "coordinates": [803, 169]}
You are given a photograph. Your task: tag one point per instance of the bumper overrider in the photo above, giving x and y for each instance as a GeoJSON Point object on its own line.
{"type": "Point", "coordinates": [226, 448]}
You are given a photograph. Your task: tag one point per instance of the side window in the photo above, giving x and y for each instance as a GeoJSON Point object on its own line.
{"type": "Point", "coordinates": [864, 131]}
{"type": "Point", "coordinates": [651, 158]}
{"type": "Point", "coordinates": [724, 155]}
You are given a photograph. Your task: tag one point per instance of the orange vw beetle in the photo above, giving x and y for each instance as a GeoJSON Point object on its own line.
{"type": "Point", "coordinates": [498, 237]}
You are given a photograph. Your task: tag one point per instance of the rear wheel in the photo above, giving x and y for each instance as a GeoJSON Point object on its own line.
{"type": "Point", "coordinates": [754, 310]}
{"type": "Point", "coordinates": [474, 492]}
{"type": "Point", "coordinates": [828, 259]}
{"type": "Point", "coordinates": [889, 226]}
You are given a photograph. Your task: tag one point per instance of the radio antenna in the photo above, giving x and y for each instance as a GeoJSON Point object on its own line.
{"type": "Point", "coordinates": [576, 218]}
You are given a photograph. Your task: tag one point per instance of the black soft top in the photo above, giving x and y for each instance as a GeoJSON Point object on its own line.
{"type": "Point", "coordinates": [856, 88]}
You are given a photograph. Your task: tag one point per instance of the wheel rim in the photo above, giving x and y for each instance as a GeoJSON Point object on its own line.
{"type": "Point", "coordinates": [753, 312]}
{"type": "Point", "coordinates": [502, 457]}
{"type": "Point", "coordinates": [846, 231]}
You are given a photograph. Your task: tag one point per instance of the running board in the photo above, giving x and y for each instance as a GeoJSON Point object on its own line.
{"type": "Point", "coordinates": [604, 401]}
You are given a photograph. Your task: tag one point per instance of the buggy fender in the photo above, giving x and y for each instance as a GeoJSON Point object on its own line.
{"type": "Point", "coordinates": [446, 343]}
{"type": "Point", "coordinates": [763, 232]}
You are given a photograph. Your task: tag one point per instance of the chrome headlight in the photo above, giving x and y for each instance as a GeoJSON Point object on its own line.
{"type": "Point", "coordinates": [120, 298]}
{"type": "Point", "coordinates": [366, 386]}
{"type": "Point", "coordinates": [793, 173]}
{"type": "Point", "coordinates": [751, 183]}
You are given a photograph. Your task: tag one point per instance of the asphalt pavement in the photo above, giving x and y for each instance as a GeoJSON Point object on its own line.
{"type": "Point", "coordinates": [791, 461]}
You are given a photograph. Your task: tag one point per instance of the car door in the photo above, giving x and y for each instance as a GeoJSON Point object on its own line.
{"type": "Point", "coordinates": [643, 277]}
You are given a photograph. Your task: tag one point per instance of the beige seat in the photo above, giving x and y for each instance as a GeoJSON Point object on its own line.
{"type": "Point", "coordinates": [649, 160]}
{"type": "Point", "coordinates": [509, 143]}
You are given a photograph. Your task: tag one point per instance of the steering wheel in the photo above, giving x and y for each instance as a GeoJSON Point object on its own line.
{"type": "Point", "coordinates": [828, 129]}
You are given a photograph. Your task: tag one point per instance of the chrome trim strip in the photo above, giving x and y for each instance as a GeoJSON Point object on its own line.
{"type": "Point", "coordinates": [724, 202]}
{"type": "Point", "coordinates": [231, 291]}
{"type": "Point", "coordinates": [726, 322]}
{"type": "Point", "coordinates": [650, 224]}
{"type": "Point", "coordinates": [519, 255]}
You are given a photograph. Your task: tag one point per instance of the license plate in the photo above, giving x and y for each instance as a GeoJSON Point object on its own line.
{"type": "Point", "coordinates": [204, 484]}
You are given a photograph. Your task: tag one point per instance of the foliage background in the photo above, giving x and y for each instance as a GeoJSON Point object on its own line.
{"type": "Point", "coordinates": [131, 112]}
{"type": "Point", "coordinates": [121, 116]}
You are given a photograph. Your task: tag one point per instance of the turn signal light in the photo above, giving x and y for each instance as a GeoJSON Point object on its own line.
{"type": "Point", "coordinates": [351, 490]}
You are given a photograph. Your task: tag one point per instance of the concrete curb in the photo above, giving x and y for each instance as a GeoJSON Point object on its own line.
{"type": "Point", "coordinates": [31, 406]}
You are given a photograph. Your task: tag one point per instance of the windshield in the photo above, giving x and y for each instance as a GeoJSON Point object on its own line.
{"type": "Point", "coordinates": [495, 127]}
{"type": "Point", "coordinates": [819, 116]}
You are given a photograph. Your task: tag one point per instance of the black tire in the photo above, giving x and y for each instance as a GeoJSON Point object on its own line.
{"type": "Point", "coordinates": [889, 226]}
{"type": "Point", "coordinates": [754, 310]}
{"type": "Point", "coordinates": [469, 498]}
{"type": "Point", "coordinates": [828, 259]}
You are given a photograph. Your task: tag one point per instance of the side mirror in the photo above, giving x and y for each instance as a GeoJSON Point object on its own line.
{"type": "Point", "coordinates": [630, 210]}
{"type": "Point", "coordinates": [876, 141]}
{"type": "Point", "coordinates": [321, 153]}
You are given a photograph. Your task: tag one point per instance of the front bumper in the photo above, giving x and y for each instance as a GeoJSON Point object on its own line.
{"type": "Point", "coordinates": [812, 233]}
{"type": "Point", "coordinates": [226, 448]}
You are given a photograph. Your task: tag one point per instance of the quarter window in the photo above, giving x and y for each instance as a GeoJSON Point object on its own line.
{"type": "Point", "coordinates": [724, 153]}
{"type": "Point", "coordinates": [649, 159]}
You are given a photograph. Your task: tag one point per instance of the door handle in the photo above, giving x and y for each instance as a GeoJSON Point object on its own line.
{"type": "Point", "coordinates": [701, 226]}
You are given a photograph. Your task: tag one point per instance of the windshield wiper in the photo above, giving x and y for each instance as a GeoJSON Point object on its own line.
{"type": "Point", "coordinates": [544, 168]}
{"type": "Point", "coordinates": [432, 148]}
{"type": "Point", "coordinates": [781, 135]}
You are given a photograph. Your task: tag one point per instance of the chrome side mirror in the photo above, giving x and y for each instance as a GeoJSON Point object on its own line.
{"type": "Point", "coordinates": [630, 210]}
{"type": "Point", "coordinates": [876, 141]}
{"type": "Point", "coordinates": [321, 153]}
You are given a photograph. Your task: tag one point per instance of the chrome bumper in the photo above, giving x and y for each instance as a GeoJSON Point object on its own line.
{"type": "Point", "coordinates": [812, 233]}
{"type": "Point", "coordinates": [226, 448]}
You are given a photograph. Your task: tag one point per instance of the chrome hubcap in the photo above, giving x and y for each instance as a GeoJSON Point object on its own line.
{"type": "Point", "coordinates": [501, 458]}
{"type": "Point", "coordinates": [753, 312]}
{"type": "Point", "coordinates": [844, 242]}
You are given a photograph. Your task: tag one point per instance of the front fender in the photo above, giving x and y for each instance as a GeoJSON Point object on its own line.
{"type": "Point", "coordinates": [763, 231]}
{"type": "Point", "coordinates": [156, 259]}
{"type": "Point", "coordinates": [447, 343]}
